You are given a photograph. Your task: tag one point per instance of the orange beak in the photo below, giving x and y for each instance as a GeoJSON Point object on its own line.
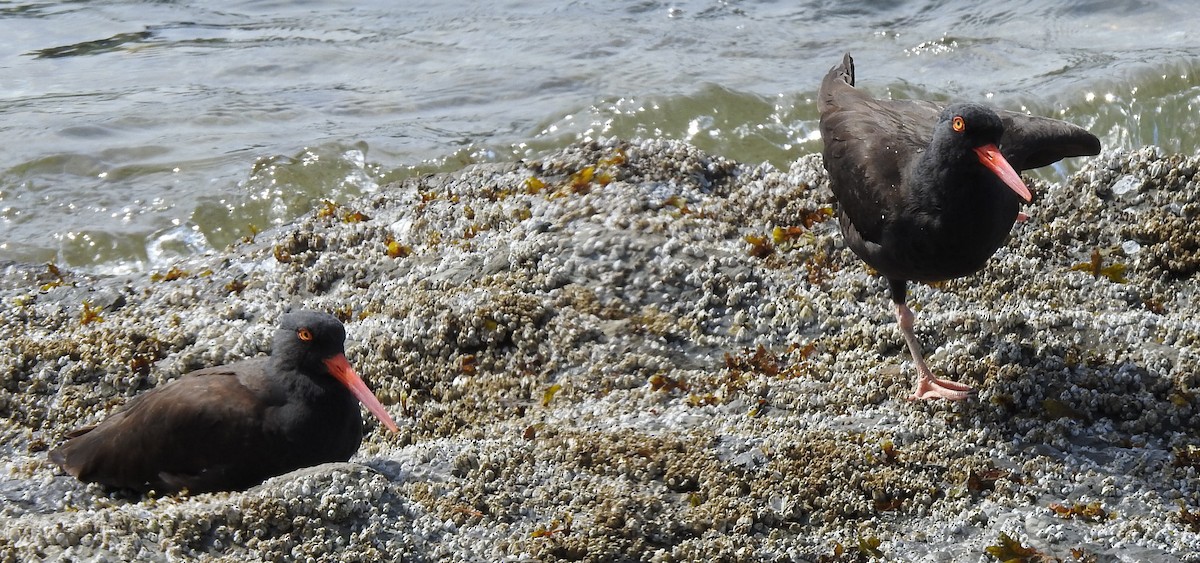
{"type": "Point", "coordinates": [990, 156]}
{"type": "Point", "coordinates": [341, 370]}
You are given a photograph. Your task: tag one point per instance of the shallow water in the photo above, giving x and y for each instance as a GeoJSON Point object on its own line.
{"type": "Point", "coordinates": [135, 132]}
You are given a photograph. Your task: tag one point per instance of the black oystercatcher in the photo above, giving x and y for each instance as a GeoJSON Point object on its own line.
{"type": "Point", "coordinates": [928, 193]}
{"type": "Point", "coordinates": [230, 427]}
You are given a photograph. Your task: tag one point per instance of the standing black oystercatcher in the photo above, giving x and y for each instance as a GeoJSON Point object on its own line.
{"type": "Point", "coordinates": [927, 193]}
{"type": "Point", "coordinates": [230, 427]}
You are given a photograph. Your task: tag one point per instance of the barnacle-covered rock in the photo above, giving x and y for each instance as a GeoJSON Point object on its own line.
{"type": "Point", "coordinates": [635, 350]}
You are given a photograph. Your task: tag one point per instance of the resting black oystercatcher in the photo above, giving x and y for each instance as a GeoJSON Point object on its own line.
{"type": "Point", "coordinates": [231, 427]}
{"type": "Point", "coordinates": [928, 193]}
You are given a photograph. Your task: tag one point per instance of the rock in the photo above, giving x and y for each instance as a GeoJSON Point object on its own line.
{"type": "Point", "coordinates": [651, 353]}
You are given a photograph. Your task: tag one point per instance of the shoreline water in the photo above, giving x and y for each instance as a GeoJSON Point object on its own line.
{"type": "Point", "coordinates": [139, 132]}
{"type": "Point", "coordinates": [611, 352]}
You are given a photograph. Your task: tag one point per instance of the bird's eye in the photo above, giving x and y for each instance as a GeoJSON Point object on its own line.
{"type": "Point", "coordinates": [958, 124]}
{"type": "Point", "coordinates": [304, 334]}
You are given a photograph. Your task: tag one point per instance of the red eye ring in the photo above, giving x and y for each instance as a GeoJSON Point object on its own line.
{"type": "Point", "coordinates": [304, 334]}
{"type": "Point", "coordinates": [958, 124]}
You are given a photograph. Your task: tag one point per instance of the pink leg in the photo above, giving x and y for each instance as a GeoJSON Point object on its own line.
{"type": "Point", "coordinates": [1022, 217]}
{"type": "Point", "coordinates": [927, 386]}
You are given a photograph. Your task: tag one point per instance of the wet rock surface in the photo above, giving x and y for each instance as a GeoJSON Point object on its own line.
{"type": "Point", "coordinates": [634, 350]}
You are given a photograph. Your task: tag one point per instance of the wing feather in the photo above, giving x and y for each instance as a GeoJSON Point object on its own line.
{"type": "Point", "coordinates": [173, 437]}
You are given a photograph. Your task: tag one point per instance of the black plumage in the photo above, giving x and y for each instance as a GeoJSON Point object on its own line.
{"type": "Point", "coordinates": [928, 192]}
{"type": "Point", "coordinates": [231, 427]}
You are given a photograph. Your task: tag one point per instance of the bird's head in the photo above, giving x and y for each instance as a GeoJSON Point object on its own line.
{"type": "Point", "coordinates": [308, 338]}
{"type": "Point", "coordinates": [977, 129]}
{"type": "Point", "coordinates": [312, 342]}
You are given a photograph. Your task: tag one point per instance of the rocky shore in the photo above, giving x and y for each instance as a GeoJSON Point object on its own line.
{"type": "Point", "coordinates": [637, 351]}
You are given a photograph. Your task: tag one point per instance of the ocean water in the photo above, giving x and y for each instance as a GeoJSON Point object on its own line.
{"type": "Point", "coordinates": [135, 132]}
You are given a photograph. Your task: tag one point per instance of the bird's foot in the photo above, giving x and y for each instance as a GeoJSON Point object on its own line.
{"type": "Point", "coordinates": [1022, 217]}
{"type": "Point", "coordinates": [930, 387]}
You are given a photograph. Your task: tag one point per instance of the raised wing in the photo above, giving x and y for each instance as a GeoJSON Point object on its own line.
{"type": "Point", "coordinates": [1032, 141]}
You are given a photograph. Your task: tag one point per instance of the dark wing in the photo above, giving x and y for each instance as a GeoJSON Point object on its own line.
{"type": "Point", "coordinates": [869, 145]}
{"type": "Point", "coordinates": [1032, 141]}
{"type": "Point", "coordinates": [202, 432]}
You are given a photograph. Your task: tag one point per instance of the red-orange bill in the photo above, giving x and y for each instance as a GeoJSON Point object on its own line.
{"type": "Point", "coordinates": [990, 156]}
{"type": "Point", "coordinates": [340, 368]}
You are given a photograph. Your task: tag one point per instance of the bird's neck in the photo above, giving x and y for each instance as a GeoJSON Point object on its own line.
{"type": "Point", "coordinates": [946, 187]}
{"type": "Point", "coordinates": [306, 381]}
{"type": "Point", "coordinates": [964, 201]}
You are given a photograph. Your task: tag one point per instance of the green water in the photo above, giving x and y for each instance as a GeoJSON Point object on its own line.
{"type": "Point", "coordinates": [137, 132]}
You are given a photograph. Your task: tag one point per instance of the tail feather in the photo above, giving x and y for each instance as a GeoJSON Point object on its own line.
{"type": "Point", "coordinates": [63, 456]}
{"type": "Point", "coordinates": [836, 79]}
